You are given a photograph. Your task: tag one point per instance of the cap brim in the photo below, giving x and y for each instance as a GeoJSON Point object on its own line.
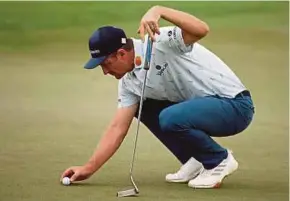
{"type": "Point", "coordinates": [94, 62]}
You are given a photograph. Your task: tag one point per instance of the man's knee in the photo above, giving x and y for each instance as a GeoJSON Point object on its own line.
{"type": "Point", "coordinates": [168, 121]}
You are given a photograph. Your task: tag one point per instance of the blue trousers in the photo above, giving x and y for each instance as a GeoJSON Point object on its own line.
{"type": "Point", "coordinates": [187, 128]}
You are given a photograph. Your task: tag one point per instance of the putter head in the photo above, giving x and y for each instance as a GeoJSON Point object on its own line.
{"type": "Point", "coordinates": [128, 193]}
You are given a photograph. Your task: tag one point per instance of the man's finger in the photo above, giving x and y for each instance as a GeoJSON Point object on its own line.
{"type": "Point", "coordinates": [150, 32]}
{"type": "Point", "coordinates": [74, 177]}
{"type": "Point", "coordinates": [67, 173]}
{"type": "Point", "coordinates": [141, 31]}
{"type": "Point", "coordinates": [157, 28]}
{"type": "Point", "coordinates": [154, 27]}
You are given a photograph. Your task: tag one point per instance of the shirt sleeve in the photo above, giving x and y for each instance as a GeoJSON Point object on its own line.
{"type": "Point", "coordinates": [171, 38]}
{"type": "Point", "coordinates": [125, 97]}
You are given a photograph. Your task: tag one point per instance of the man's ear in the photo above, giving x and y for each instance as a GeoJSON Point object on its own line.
{"type": "Point", "coordinates": [121, 52]}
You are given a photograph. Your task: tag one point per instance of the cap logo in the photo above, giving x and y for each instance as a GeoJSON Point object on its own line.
{"type": "Point", "coordinates": [95, 51]}
{"type": "Point", "coordinates": [123, 40]}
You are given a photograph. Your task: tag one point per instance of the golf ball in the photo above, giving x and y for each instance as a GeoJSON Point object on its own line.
{"type": "Point", "coordinates": [66, 181]}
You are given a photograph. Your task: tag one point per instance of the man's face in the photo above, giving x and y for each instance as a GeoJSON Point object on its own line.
{"type": "Point", "coordinates": [117, 64]}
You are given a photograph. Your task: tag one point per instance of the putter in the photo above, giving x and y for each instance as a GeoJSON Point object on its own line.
{"type": "Point", "coordinates": [134, 191]}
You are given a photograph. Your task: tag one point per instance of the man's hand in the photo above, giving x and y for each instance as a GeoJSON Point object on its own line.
{"type": "Point", "coordinates": [108, 145]}
{"type": "Point", "coordinates": [193, 29]}
{"type": "Point", "coordinates": [77, 173]}
{"type": "Point", "coordinates": [149, 23]}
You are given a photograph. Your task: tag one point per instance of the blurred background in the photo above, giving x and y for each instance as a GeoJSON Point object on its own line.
{"type": "Point", "coordinates": [53, 112]}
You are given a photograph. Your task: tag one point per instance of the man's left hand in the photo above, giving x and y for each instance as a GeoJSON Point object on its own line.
{"type": "Point", "coordinates": [149, 23]}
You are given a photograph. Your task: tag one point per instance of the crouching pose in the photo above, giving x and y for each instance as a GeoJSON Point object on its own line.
{"type": "Point", "coordinates": [191, 96]}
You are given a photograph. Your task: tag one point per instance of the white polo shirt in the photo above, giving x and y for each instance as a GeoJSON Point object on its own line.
{"type": "Point", "coordinates": [177, 72]}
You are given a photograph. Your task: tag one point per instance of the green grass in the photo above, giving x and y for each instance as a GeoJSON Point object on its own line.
{"type": "Point", "coordinates": [52, 111]}
{"type": "Point", "coordinates": [27, 25]}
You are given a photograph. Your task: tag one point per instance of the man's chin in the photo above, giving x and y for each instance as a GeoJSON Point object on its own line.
{"type": "Point", "coordinates": [118, 76]}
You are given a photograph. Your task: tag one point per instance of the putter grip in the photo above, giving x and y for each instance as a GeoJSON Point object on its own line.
{"type": "Point", "coordinates": [148, 53]}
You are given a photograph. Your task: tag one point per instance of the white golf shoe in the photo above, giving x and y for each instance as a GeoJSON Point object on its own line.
{"type": "Point", "coordinates": [188, 171]}
{"type": "Point", "coordinates": [213, 178]}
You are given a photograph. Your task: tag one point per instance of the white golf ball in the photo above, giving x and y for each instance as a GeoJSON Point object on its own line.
{"type": "Point", "coordinates": [66, 181]}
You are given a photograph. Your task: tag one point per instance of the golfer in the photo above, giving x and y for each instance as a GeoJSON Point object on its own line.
{"type": "Point", "coordinates": [191, 96]}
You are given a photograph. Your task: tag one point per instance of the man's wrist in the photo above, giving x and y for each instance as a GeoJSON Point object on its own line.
{"type": "Point", "coordinates": [157, 9]}
{"type": "Point", "coordinates": [91, 166]}
{"type": "Point", "coordinates": [162, 11]}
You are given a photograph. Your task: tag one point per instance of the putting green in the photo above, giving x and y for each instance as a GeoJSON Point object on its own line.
{"type": "Point", "coordinates": [53, 112]}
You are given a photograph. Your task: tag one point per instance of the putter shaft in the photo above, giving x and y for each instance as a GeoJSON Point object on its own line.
{"type": "Point", "coordinates": [135, 190]}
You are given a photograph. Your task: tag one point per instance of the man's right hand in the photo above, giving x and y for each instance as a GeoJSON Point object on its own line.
{"type": "Point", "coordinates": [77, 173]}
{"type": "Point", "coordinates": [107, 146]}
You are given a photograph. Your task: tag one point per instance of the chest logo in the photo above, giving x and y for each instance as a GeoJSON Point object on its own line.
{"type": "Point", "coordinates": [161, 69]}
{"type": "Point", "coordinates": [138, 61]}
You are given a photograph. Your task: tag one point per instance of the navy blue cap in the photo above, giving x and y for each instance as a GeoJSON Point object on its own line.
{"type": "Point", "coordinates": [104, 41]}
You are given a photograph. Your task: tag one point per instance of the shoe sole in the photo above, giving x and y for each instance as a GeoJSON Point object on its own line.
{"type": "Point", "coordinates": [183, 180]}
{"type": "Point", "coordinates": [177, 181]}
{"type": "Point", "coordinates": [216, 185]}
